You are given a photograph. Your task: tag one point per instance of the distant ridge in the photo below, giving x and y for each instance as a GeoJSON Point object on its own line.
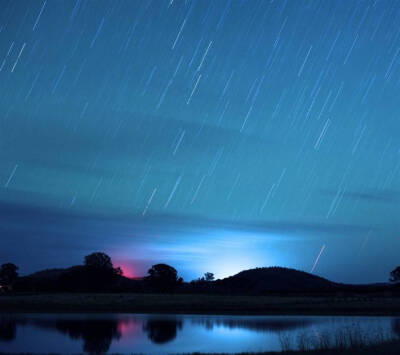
{"type": "Point", "coordinates": [258, 281]}
{"type": "Point", "coordinates": [47, 274]}
{"type": "Point", "coordinates": [266, 279]}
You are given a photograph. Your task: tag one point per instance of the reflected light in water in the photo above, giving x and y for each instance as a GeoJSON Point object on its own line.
{"type": "Point", "coordinates": [165, 334]}
{"type": "Point", "coordinates": [128, 327]}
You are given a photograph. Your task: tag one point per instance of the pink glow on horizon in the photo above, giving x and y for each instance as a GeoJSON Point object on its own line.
{"type": "Point", "coordinates": [127, 270]}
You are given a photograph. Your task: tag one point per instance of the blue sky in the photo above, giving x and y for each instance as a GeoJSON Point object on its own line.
{"type": "Point", "coordinates": [211, 135]}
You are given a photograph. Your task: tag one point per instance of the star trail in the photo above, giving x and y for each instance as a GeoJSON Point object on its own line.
{"type": "Point", "coordinates": [211, 135]}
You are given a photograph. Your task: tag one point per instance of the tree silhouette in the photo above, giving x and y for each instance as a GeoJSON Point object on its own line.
{"type": "Point", "coordinates": [98, 260]}
{"type": "Point", "coordinates": [209, 276]}
{"type": "Point", "coordinates": [8, 274]}
{"type": "Point", "coordinates": [163, 277]}
{"type": "Point", "coordinates": [395, 275]}
{"type": "Point", "coordinates": [96, 275]}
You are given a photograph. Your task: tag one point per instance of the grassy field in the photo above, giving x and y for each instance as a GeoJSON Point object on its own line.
{"type": "Point", "coordinates": [212, 304]}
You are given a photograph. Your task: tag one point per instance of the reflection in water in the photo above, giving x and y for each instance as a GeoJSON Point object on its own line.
{"type": "Point", "coordinates": [8, 328]}
{"type": "Point", "coordinates": [162, 331]}
{"type": "Point", "coordinates": [262, 325]}
{"type": "Point", "coordinates": [396, 326]}
{"type": "Point", "coordinates": [156, 334]}
{"type": "Point", "coordinates": [97, 334]}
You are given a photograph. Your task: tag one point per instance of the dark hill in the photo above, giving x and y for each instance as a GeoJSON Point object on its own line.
{"type": "Point", "coordinates": [270, 279]}
{"type": "Point", "coordinates": [259, 281]}
{"type": "Point", "coordinates": [49, 274]}
{"type": "Point", "coordinates": [75, 279]}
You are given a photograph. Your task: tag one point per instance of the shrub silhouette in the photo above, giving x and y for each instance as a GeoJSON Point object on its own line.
{"type": "Point", "coordinates": [395, 275]}
{"type": "Point", "coordinates": [209, 276]}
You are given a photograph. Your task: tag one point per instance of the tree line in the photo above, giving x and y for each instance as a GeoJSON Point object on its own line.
{"type": "Point", "coordinates": [96, 274]}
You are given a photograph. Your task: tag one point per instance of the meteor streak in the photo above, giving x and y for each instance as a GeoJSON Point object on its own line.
{"type": "Point", "coordinates": [317, 259]}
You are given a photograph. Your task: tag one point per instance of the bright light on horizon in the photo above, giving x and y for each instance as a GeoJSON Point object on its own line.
{"type": "Point", "coordinates": [127, 269]}
{"type": "Point", "coordinates": [241, 253]}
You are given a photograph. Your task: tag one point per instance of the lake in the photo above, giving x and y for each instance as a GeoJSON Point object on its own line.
{"type": "Point", "coordinates": [166, 334]}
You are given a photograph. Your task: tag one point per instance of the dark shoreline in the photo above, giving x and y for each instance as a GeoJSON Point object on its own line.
{"type": "Point", "coordinates": [202, 304]}
{"type": "Point", "coordinates": [387, 348]}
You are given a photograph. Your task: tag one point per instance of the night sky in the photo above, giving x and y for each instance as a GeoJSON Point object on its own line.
{"type": "Point", "coordinates": [210, 135]}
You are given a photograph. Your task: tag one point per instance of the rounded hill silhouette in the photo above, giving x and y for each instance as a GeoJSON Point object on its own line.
{"type": "Point", "coordinates": [267, 279]}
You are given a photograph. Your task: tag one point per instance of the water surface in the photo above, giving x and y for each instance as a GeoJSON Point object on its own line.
{"type": "Point", "coordinates": [166, 334]}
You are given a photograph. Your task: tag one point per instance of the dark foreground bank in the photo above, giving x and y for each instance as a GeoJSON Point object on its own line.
{"type": "Point", "coordinates": [389, 348]}
{"type": "Point", "coordinates": [206, 304]}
